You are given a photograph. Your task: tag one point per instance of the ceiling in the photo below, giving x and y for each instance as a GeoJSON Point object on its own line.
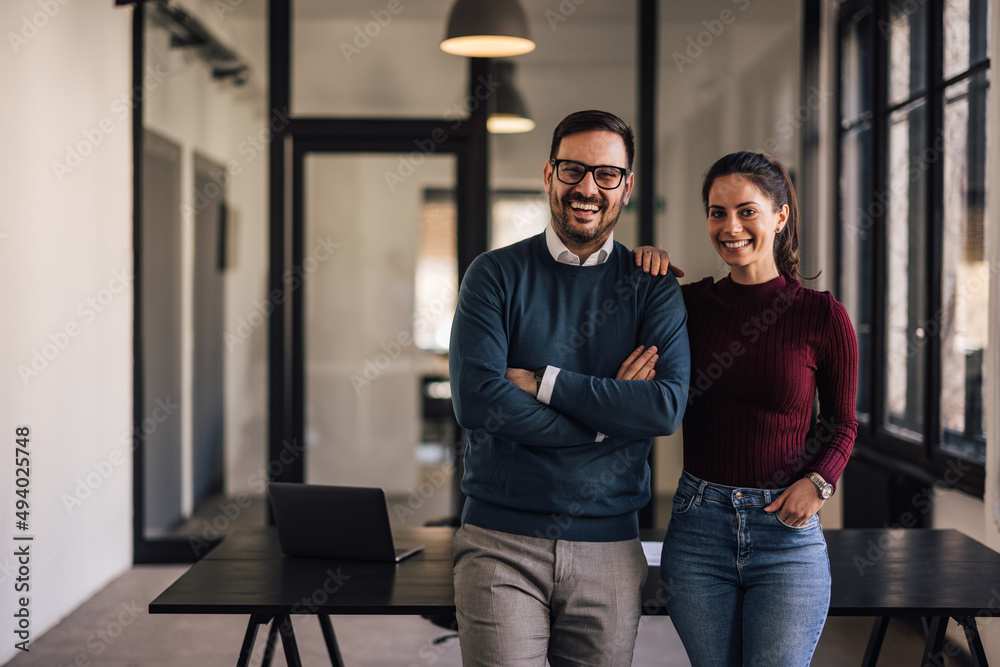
{"type": "Point", "coordinates": [539, 11]}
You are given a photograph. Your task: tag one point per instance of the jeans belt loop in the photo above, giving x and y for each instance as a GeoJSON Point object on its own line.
{"type": "Point", "coordinates": [701, 492]}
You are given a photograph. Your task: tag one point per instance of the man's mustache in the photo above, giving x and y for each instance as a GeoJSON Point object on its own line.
{"type": "Point", "coordinates": [596, 201]}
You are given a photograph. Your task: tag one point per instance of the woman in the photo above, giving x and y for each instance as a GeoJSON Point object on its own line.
{"type": "Point", "coordinates": [744, 567]}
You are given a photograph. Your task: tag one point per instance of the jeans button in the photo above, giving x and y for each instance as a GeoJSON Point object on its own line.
{"type": "Point", "coordinates": [740, 495]}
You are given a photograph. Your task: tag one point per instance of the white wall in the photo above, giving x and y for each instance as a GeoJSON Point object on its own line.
{"type": "Point", "coordinates": [63, 240]}
{"type": "Point", "coordinates": [332, 76]}
{"type": "Point", "coordinates": [736, 93]}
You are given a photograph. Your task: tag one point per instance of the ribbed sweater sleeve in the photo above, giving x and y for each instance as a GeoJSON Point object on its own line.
{"type": "Point", "coordinates": [836, 380]}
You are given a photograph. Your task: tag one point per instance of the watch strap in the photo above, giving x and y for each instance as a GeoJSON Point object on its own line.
{"type": "Point", "coordinates": [539, 376]}
{"type": "Point", "coordinates": [824, 488]}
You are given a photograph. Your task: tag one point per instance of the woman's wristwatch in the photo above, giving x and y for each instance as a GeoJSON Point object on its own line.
{"type": "Point", "coordinates": [825, 489]}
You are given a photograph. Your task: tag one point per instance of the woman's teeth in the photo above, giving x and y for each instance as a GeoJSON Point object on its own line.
{"type": "Point", "coordinates": [736, 244]}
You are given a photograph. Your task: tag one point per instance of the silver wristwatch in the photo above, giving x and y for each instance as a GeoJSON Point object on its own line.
{"type": "Point", "coordinates": [825, 490]}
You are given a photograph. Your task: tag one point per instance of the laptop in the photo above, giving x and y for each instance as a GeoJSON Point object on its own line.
{"type": "Point", "coordinates": [341, 522]}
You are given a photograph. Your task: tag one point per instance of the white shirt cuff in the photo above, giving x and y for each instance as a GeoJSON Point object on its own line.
{"type": "Point", "coordinates": [547, 384]}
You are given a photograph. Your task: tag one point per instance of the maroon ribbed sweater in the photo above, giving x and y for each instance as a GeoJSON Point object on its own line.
{"type": "Point", "coordinates": [758, 355]}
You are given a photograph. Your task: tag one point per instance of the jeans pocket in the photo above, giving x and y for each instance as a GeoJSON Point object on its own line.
{"type": "Point", "coordinates": [682, 503]}
{"type": "Point", "coordinates": [811, 523]}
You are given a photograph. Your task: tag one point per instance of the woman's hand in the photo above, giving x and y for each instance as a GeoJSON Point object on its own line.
{"type": "Point", "coordinates": [797, 504]}
{"type": "Point", "coordinates": [523, 379]}
{"type": "Point", "coordinates": [639, 365]}
{"type": "Point", "coordinates": [655, 261]}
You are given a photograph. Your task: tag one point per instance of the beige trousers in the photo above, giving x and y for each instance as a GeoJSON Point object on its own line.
{"type": "Point", "coordinates": [523, 599]}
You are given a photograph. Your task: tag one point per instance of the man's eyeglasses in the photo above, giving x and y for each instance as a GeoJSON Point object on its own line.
{"type": "Point", "coordinates": [571, 173]}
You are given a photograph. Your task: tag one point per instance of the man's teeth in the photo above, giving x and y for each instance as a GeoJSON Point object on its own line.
{"type": "Point", "coordinates": [580, 206]}
{"type": "Point", "coordinates": [736, 244]}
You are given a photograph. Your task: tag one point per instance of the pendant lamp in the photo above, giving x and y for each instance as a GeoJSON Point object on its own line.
{"type": "Point", "coordinates": [487, 29]}
{"type": "Point", "coordinates": [508, 113]}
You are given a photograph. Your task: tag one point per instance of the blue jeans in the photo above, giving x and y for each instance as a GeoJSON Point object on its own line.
{"type": "Point", "coordinates": [741, 587]}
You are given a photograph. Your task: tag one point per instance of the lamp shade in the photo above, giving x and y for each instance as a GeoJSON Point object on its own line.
{"type": "Point", "coordinates": [508, 113]}
{"type": "Point", "coordinates": [503, 124]}
{"type": "Point", "coordinates": [487, 29]}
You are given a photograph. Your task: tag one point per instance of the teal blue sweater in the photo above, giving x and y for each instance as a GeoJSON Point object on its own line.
{"type": "Point", "coordinates": [535, 469]}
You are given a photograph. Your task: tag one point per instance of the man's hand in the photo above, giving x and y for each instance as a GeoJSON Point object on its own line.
{"type": "Point", "coordinates": [639, 365]}
{"type": "Point", "coordinates": [523, 379]}
{"type": "Point", "coordinates": [655, 261]}
{"type": "Point", "coordinates": [797, 504]}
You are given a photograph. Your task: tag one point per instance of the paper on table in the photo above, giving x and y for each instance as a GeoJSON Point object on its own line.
{"type": "Point", "coordinates": [652, 551]}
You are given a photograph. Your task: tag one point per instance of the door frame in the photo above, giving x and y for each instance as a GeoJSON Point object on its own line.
{"type": "Point", "coordinates": [292, 139]}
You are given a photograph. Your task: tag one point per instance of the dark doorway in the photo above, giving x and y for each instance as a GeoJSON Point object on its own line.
{"type": "Point", "coordinates": [208, 404]}
{"type": "Point", "coordinates": [159, 431]}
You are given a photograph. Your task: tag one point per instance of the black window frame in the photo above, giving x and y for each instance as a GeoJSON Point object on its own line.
{"type": "Point", "coordinates": [924, 459]}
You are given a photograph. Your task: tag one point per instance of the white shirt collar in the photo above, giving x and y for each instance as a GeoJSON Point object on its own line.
{"type": "Point", "coordinates": [562, 254]}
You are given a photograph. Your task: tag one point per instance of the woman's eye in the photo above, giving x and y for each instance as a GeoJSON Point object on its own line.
{"type": "Point", "coordinates": [747, 212]}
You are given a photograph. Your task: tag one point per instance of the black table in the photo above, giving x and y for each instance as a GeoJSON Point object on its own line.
{"type": "Point", "coordinates": [934, 574]}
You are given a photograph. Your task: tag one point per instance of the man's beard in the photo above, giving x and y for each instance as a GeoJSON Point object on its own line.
{"type": "Point", "coordinates": [564, 224]}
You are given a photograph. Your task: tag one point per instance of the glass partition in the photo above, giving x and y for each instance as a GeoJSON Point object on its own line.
{"type": "Point", "coordinates": [379, 256]}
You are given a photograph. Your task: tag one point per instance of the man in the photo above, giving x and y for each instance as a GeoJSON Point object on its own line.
{"type": "Point", "coordinates": [547, 562]}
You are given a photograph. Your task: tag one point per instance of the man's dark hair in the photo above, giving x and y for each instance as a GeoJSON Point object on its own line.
{"type": "Point", "coordinates": [594, 121]}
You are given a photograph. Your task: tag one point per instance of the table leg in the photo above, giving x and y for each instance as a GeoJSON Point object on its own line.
{"type": "Point", "coordinates": [288, 640]}
{"type": "Point", "coordinates": [272, 638]}
{"type": "Point", "coordinates": [976, 649]}
{"type": "Point", "coordinates": [331, 640]}
{"type": "Point", "coordinates": [875, 640]}
{"type": "Point", "coordinates": [934, 649]}
{"type": "Point", "coordinates": [249, 638]}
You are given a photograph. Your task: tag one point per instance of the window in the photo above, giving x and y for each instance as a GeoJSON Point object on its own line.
{"type": "Point", "coordinates": [914, 87]}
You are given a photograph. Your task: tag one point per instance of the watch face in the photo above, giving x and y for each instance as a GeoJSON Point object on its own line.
{"type": "Point", "coordinates": [825, 489]}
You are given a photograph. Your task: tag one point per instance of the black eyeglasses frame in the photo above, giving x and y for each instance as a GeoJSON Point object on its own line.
{"type": "Point", "coordinates": [591, 169]}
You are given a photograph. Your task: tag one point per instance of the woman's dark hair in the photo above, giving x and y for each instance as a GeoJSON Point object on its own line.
{"type": "Point", "coordinates": [769, 176]}
{"type": "Point", "coordinates": [594, 121]}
